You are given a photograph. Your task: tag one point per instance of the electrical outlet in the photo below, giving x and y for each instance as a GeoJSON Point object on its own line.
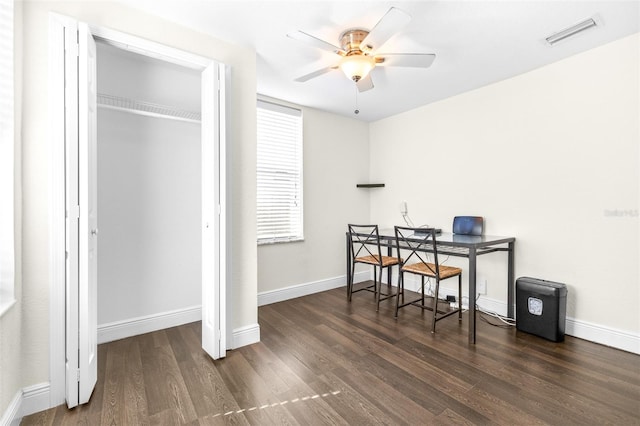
{"type": "Point", "coordinates": [481, 286]}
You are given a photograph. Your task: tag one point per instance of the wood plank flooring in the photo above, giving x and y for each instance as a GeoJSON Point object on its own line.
{"type": "Point", "coordinates": [322, 360]}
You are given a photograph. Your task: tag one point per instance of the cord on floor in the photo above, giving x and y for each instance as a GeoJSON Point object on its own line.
{"type": "Point", "coordinates": [506, 322]}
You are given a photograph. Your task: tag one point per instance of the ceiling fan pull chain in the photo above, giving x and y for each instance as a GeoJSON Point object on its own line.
{"type": "Point", "coordinates": [357, 111]}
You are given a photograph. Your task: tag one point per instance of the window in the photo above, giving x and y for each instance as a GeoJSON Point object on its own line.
{"type": "Point", "coordinates": [279, 170]}
{"type": "Point", "coordinates": [6, 157]}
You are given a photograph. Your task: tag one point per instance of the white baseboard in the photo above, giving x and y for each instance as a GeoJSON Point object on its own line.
{"type": "Point", "coordinates": [492, 305]}
{"type": "Point", "coordinates": [244, 336]}
{"type": "Point", "coordinates": [26, 401]}
{"type": "Point", "coordinates": [282, 294]}
{"type": "Point", "coordinates": [603, 335]}
{"type": "Point", "coordinates": [35, 398]}
{"type": "Point", "coordinates": [618, 339]}
{"type": "Point", "coordinates": [11, 416]}
{"type": "Point", "coordinates": [135, 326]}
{"type": "Point", "coordinates": [122, 329]}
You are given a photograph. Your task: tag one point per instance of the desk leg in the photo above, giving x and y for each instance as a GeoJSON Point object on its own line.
{"type": "Point", "coordinates": [472, 295]}
{"type": "Point", "coordinates": [390, 254]}
{"type": "Point", "coordinates": [349, 283]}
{"type": "Point", "coordinates": [510, 280]}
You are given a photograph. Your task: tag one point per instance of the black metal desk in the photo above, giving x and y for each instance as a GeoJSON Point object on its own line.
{"type": "Point", "coordinates": [469, 246]}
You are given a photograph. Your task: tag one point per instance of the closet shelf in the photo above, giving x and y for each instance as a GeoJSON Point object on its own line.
{"type": "Point", "coordinates": [147, 108]}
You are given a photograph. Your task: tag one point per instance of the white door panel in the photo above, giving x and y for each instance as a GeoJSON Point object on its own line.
{"type": "Point", "coordinates": [81, 203]}
{"type": "Point", "coordinates": [213, 335]}
{"type": "Point", "coordinates": [72, 211]}
{"type": "Point", "coordinates": [88, 282]}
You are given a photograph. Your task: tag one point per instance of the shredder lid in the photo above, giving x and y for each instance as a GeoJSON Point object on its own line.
{"type": "Point", "coordinates": [544, 287]}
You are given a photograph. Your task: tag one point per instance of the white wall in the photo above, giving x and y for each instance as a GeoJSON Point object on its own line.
{"type": "Point", "coordinates": [149, 210]}
{"type": "Point", "coordinates": [335, 160]}
{"type": "Point", "coordinates": [149, 216]}
{"type": "Point", "coordinates": [140, 77]}
{"type": "Point", "coordinates": [545, 157]}
{"type": "Point", "coordinates": [11, 321]}
{"type": "Point", "coordinates": [36, 150]}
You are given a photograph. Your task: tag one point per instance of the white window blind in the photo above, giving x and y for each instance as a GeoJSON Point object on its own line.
{"type": "Point", "coordinates": [6, 157]}
{"type": "Point", "coordinates": [279, 173]}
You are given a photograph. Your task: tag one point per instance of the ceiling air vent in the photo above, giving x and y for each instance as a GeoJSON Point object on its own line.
{"type": "Point", "coordinates": [571, 31]}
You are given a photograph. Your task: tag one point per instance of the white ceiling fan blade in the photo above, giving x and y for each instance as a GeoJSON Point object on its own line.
{"type": "Point", "coordinates": [392, 22]}
{"type": "Point", "coordinates": [365, 84]}
{"type": "Point", "coordinates": [315, 42]}
{"type": "Point", "coordinates": [315, 74]}
{"type": "Point", "coordinates": [415, 60]}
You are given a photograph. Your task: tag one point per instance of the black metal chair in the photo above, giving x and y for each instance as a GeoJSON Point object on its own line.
{"type": "Point", "coordinates": [365, 248]}
{"type": "Point", "coordinates": [417, 244]}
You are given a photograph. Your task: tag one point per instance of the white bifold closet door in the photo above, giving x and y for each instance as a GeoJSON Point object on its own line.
{"type": "Point", "coordinates": [81, 205]}
{"type": "Point", "coordinates": [81, 193]}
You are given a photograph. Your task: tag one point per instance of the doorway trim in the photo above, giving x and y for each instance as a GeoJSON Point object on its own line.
{"type": "Point", "coordinates": [57, 264]}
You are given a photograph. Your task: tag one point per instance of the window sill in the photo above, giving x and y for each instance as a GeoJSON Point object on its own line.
{"type": "Point", "coordinates": [6, 305]}
{"type": "Point", "coordinates": [280, 241]}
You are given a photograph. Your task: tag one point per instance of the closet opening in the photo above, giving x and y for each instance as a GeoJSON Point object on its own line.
{"type": "Point", "coordinates": [149, 193]}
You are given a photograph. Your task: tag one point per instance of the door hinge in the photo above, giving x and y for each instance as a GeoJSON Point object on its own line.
{"type": "Point", "coordinates": [73, 213]}
{"type": "Point", "coordinates": [78, 375]}
{"type": "Point", "coordinates": [73, 48]}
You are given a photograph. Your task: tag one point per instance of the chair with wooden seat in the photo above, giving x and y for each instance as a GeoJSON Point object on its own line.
{"type": "Point", "coordinates": [417, 245]}
{"type": "Point", "coordinates": [364, 246]}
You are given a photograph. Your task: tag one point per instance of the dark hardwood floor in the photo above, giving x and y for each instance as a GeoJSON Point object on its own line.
{"type": "Point", "coordinates": [322, 360]}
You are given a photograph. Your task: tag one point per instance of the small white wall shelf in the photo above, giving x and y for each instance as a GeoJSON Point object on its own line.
{"type": "Point", "coordinates": [370, 185]}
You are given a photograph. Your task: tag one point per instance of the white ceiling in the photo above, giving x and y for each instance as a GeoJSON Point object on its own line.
{"type": "Point", "coordinates": [476, 43]}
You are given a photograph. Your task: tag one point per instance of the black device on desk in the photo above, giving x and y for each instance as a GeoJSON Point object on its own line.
{"type": "Point", "coordinates": [417, 232]}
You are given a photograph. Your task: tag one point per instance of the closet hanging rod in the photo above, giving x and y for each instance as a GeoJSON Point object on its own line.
{"type": "Point", "coordinates": [147, 108]}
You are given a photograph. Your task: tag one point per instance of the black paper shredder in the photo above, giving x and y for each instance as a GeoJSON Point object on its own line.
{"type": "Point", "coordinates": [541, 308]}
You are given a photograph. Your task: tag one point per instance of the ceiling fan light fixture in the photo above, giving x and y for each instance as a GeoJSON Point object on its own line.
{"type": "Point", "coordinates": [357, 67]}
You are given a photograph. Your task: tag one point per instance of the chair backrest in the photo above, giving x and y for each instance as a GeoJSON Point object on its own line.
{"type": "Point", "coordinates": [364, 241]}
{"type": "Point", "coordinates": [417, 243]}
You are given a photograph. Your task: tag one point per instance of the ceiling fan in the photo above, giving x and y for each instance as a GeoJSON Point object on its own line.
{"type": "Point", "coordinates": [358, 51]}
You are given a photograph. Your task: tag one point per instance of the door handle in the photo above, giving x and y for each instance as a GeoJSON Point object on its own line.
{"type": "Point", "coordinates": [94, 231]}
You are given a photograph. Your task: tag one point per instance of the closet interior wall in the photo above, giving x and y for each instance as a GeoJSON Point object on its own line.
{"type": "Point", "coordinates": [149, 210]}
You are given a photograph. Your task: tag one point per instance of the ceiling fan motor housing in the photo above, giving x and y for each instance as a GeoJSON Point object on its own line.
{"type": "Point", "coordinates": [350, 41]}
